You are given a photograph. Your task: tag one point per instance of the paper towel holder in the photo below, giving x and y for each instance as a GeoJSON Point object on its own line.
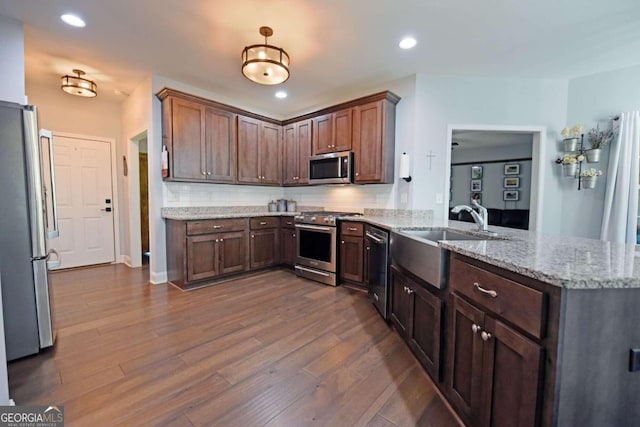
{"type": "Point", "coordinates": [404, 167]}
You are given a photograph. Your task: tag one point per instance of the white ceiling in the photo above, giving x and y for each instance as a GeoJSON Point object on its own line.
{"type": "Point", "coordinates": [336, 46]}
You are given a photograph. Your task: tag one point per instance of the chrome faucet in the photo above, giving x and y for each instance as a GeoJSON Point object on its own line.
{"type": "Point", "coordinates": [480, 219]}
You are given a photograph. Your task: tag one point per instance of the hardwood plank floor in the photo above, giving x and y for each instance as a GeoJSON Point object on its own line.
{"type": "Point", "coordinates": [271, 349]}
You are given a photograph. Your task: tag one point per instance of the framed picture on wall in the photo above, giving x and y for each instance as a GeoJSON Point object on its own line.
{"type": "Point", "coordinates": [512, 182]}
{"type": "Point", "coordinates": [511, 195]}
{"type": "Point", "coordinates": [512, 169]}
{"type": "Point", "coordinates": [476, 172]}
{"type": "Point", "coordinates": [476, 185]}
{"type": "Point", "coordinates": [477, 197]}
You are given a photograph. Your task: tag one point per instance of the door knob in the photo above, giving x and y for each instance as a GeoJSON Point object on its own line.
{"type": "Point", "coordinates": [107, 209]}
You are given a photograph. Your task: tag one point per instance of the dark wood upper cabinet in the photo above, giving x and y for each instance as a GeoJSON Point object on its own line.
{"type": "Point", "coordinates": [187, 135]}
{"type": "Point", "coordinates": [212, 142]}
{"type": "Point", "coordinates": [374, 142]}
{"type": "Point", "coordinates": [332, 132]}
{"type": "Point", "coordinates": [220, 145]}
{"type": "Point", "coordinates": [296, 149]}
{"type": "Point", "coordinates": [259, 154]}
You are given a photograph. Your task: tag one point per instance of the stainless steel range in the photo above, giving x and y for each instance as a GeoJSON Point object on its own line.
{"type": "Point", "coordinates": [316, 255]}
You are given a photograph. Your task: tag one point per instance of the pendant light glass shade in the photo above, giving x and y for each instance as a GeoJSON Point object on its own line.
{"type": "Point", "coordinates": [79, 86]}
{"type": "Point", "coordinates": [265, 64]}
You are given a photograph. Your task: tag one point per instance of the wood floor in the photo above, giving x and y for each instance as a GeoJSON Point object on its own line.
{"type": "Point", "coordinates": [271, 349]}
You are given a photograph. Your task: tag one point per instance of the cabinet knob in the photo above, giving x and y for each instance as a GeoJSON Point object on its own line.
{"type": "Point", "coordinates": [222, 240]}
{"type": "Point", "coordinates": [208, 173]}
{"type": "Point", "coordinates": [368, 248]}
{"type": "Point", "coordinates": [410, 291]}
{"type": "Point", "coordinates": [216, 227]}
{"type": "Point", "coordinates": [357, 174]}
{"type": "Point", "coordinates": [475, 328]}
{"type": "Point", "coordinates": [263, 223]}
{"type": "Point", "coordinates": [342, 241]}
{"type": "Point", "coordinates": [486, 336]}
{"type": "Point", "coordinates": [253, 236]}
{"type": "Point", "coordinates": [294, 234]}
{"type": "Point", "coordinates": [204, 173]}
{"type": "Point", "coordinates": [352, 229]}
{"type": "Point", "coordinates": [216, 240]}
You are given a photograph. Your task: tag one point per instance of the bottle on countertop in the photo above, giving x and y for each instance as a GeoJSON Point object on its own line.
{"type": "Point", "coordinates": [272, 206]}
{"type": "Point", "coordinates": [291, 206]}
{"type": "Point", "coordinates": [282, 205]}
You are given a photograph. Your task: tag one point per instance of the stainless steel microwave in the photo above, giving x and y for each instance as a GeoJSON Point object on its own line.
{"type": "Point", "coordinates": [331, 168]}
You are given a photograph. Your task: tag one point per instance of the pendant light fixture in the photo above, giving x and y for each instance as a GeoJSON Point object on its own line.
{"type": "Point", "coordinates": [265, 64]}
{"type": "Point", "coordinates": [78, 85]}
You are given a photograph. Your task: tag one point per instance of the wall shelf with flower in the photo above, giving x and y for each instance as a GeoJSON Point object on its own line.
{"type": "Point", "coordinates": [575, 154]}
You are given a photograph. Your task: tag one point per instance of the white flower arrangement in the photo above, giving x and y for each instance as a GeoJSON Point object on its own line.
{"type": "Point", "coordinates": [568, 159]}
{"type": "Point", "coordinates": [591, 172]}
{"type": "Point", "coordinates": [573, 132]}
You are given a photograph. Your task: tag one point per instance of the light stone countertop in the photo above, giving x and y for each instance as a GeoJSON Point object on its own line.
{"type": "Point", "coordinates": [568, 262]}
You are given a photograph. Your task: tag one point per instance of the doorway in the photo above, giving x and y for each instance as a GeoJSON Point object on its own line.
{"type": "Point", "coordinates": [143, 168]}
{"type": "Point", "coordinates": [537, 136]}
{"type": "Point", "coordinates": [85, 200]}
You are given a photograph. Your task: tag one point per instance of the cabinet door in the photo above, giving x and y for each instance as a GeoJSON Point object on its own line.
{"type": "Point", "coordinates": [188, 140]}
{"type": "Point", "coordinates": [400, 304]}
{"type": "Point", "coordinates": [322, 134]}
{"type": "Point", "coordinates": [303, 136]}
{"type": "Point", "coordinates": [287, 246]}
{"type": "Point", "coordinates": [511, 377]}
{"type": "Point", "coordinates": [290, 154]}
{"type": "Point", "coordinates": [465, 356]}
{"type": "Point", "coordinates": [342, 130]}
{"type": "Point", "coordinates": [425, 334]}
{"type": "Point", "coordinates": [351, 258]}
{"type": "Point", "coordinates": [248, 142]}
{"type": "Point", "coordinates": [264, 247]}
{"type": "Point", "coordinates": [367, 143]}
{"type": "Point", "coordinates": [202, 257]}
{"type": "Point", "coordinates": [220, 145]}
{"type": "Point", "coordinates": [269, 153]}
{"type": "Point", "coordinates": [233, 249]}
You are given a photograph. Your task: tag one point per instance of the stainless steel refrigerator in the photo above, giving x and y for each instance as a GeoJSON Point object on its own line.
{"type": "Point", "coordinates": [27, 218]}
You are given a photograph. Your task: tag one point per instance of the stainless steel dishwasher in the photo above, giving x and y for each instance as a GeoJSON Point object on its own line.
{"type": "Point", "coordinates": [376, 262]}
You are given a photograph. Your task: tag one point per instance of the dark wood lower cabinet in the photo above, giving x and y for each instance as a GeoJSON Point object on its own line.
{"type": "Point", "coordinates": [288, 246]}
{"type": "Point", "coordinates": [352, 259]}
{"type": "Point", "coordinates": [495, 373]}
{"type": "Point", "coordinates": [417, 316]}
{"type": "Point", "coordinates": [212, 255]}
{"type": "Point", "coordinates": [234, 257]}
{"type": "Point", "coordinates": [264, 247]}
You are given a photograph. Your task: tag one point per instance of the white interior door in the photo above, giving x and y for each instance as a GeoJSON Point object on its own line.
{"type": "Point", "coordinates": [84, 200]}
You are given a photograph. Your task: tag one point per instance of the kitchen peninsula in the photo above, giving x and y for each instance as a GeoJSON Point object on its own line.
{"type": "Point", "coordinates": [552, 347]}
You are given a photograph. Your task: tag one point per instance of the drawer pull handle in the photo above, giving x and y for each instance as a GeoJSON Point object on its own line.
{"type": "Point", "coordinates": [486, 336]}
{"type": "Point", "coordinates": [216, 227]}
{"type": "Point", "coordinates": [352, 229]}
{"type": "Point", "coordinates": [475, 328]}
{"type": "Point", "coordinates": [263, 223]}
{"type": "Point", "coordinates": [492, 294]}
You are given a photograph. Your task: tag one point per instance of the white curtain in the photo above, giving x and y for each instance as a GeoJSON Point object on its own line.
{"type": "Point", "coordinates": [620, 217]}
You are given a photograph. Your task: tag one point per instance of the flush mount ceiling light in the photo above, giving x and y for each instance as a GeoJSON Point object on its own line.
{"type": "Point", "coordinates": [73, 20]}
{"type": "Point", "coordinates": [265, 64]}
{"type": "Point", "coordinates": [79, 86]}
{"type": "Point", "coordinates": [407, 43]}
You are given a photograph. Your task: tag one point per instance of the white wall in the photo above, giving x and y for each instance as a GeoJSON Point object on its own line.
{"type": "Point", "coordinates": [592, 100]}
{"type": "Point", "coordinates": [98, 117]}
{"type": "Point", "coordinates": [449, 100]}
{"type": "Point", "coordinates": [11, 60]}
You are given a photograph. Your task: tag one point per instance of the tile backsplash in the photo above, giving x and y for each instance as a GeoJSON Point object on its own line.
{"type": "Point", "coordinates": [352, 198]}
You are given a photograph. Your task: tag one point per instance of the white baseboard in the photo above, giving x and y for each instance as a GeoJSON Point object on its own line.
{"type": "Point", "coordinates": [158, 278]}
{"type": "Point", "coordinates": [127, 260]}
{"type": "Point", "coordinates": [121, 259]}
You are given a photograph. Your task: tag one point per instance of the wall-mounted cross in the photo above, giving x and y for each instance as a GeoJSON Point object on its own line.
{"type": "Point", "coordinates": [430, 156]}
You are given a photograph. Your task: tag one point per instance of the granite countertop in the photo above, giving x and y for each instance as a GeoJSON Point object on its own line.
{"type": "Point", "coordinates": [567, 262]}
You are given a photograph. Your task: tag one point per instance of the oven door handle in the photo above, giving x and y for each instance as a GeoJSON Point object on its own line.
{"type": "Point", "coordinates": [313, 227]}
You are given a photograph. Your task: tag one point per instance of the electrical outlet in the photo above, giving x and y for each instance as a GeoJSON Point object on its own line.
{"type": "Point", "coordinates": [634, 360]}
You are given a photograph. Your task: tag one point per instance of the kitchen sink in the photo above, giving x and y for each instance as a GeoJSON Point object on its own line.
{"type": "Point", "coordinates": [418, 252]}
{"type": "Point", "coordinates": [436, 235]}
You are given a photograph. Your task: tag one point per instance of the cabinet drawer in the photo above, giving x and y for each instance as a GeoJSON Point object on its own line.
{"type": "Point", "coordinates": [215, 226]}
{"type": "Point", "coordinates": [287, 222]}
{"type": "Point", "coordinates": [352, 229]}
{"type": "Point", "coordinates": [516, 303]}
{"type": "Point", "coordinates": [265, 222]}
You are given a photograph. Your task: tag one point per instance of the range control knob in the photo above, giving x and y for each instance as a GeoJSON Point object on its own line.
{"type": "Point", "coordinates": [313, 218]}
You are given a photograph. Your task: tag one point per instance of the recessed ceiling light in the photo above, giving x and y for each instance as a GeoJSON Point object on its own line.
{"type": "Point", "coordinates": [73, 20]}
{"type": "Point", "coordinates": [407, 43]}
{"type": "Point", "coordinates": [281, 94]}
